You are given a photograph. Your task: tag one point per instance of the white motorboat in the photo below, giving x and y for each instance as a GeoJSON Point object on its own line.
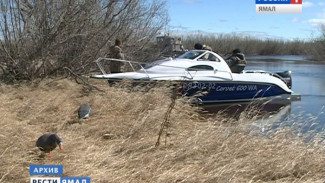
{"type": "Point", "coordinates": [207, 72]}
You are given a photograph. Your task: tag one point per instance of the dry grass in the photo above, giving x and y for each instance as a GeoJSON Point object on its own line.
{"type": "Point", "coordinates": [116, 144]}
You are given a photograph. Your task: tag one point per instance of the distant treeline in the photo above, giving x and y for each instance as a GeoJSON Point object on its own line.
{"type": "Point", "coordinates": [225, 43]}
{"type": "Point", "coordinates": [317, 47]}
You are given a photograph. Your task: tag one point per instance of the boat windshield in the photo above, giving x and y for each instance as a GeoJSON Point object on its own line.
{"type": "Point", "coordinates": [191, 54]}
{"type": "Point", "coordinates": [158, 62]}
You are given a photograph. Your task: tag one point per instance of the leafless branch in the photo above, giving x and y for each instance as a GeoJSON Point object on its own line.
{"type": "Point", "coordinates": [42, 37]}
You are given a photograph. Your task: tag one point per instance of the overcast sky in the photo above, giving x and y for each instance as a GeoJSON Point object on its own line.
{"type": "Point", "coordinates": [240, 17]}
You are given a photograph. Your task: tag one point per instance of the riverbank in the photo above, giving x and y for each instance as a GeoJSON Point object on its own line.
{"type": "Point", "coordinates": [117, 143]}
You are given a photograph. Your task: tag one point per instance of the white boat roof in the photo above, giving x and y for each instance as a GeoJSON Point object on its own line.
{"type": "Point", "coordinates": [196, 59]}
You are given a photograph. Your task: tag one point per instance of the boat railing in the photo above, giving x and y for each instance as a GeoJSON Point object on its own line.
{"type": "Point", "coordinates": [266, 72]}
{"type": "Point", "coordinates": [101, 68]}
{"type": "Point", "coordinates": [143, 67]}
{"type": "Point", "coordinates": [284, 76]}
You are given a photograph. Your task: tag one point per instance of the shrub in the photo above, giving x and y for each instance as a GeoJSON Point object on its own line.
{"type": "Point", "coordinates": [40, 38]}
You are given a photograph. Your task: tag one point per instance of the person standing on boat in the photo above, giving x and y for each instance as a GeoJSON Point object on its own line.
{"type": "Point", "coordinates": [115, 51]}
{"type": "Point", "coordinates": [236, 61]}
{"type": "Point", "coordinates": [206, 47]}
{"type": "Point", "coordinates": [199, 46]}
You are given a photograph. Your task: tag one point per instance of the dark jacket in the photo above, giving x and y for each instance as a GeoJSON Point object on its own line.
{"type": "Point", "coordinates": [116, 52]}
{"type": "Point", "coordinates": [236, 62]}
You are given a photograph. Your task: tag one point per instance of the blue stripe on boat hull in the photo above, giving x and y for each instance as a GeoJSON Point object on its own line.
{"type": "Point", "coordinates": [230, 91]}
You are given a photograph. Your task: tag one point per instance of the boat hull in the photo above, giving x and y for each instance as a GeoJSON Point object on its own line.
{"type": "Point", "coordinates": [221, 91]}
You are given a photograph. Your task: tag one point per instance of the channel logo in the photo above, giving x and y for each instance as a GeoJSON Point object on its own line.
{"type": "Point", "coordinates": [59, 180]}
{"type": "Point", "coordinates": [55, 170]}
{"type": "Point", "coordinates": [278, 6]}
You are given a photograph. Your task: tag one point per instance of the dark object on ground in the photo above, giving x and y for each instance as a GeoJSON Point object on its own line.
{"type": "Point", "coordinates": [84, 111]}
{"type": "Point", "coordinates": [48, 142]}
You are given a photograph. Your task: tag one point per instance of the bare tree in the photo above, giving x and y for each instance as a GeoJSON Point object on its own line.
{"type": "Point", "coordinates": [41, 37]}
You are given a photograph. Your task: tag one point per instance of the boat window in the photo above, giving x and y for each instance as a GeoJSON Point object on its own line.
{"type": "Point", "coordinates": [200, 68]}
{"type": "Point", "coordinates": [208, 57]}
{"type": "Point", "coordinates": [191, 54]}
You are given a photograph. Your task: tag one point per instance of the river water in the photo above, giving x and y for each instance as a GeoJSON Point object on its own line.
{"type": "Point", "coordinates": [304, 116]}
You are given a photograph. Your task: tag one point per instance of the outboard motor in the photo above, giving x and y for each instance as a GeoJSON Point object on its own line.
{"type": "Point", "coordinates": [285, 76]}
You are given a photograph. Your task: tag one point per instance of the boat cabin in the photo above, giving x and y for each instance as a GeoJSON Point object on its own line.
{"type": "Point", "coordinates": [195, 60]}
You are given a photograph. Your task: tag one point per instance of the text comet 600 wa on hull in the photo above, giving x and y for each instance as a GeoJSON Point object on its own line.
{"type": "Point", "coordinates": [203, 71]}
